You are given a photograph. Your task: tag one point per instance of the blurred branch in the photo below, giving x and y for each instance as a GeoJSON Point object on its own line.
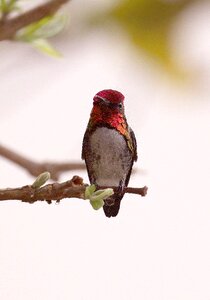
{"type": "Point", "coordinates": [35, 168]}
{"type": "Point", "coordinates": [74, 188]}
{"type": "Point", "coordinates": [10, 26]}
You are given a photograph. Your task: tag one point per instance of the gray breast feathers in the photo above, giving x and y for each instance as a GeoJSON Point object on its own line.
{"type": "Point", "coordinates": [108, 158]}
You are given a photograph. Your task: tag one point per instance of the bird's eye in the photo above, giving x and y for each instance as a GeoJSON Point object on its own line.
{"type": "Point", "coordinates": [120, 105]}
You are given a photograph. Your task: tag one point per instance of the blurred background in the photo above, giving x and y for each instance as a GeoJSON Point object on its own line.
{"type": "Point", "coordinates": [156, 53]}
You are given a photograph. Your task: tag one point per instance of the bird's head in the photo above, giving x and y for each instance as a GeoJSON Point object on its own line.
{"type": "Point", "coordinates": [109, 101]}
{"type": "Point", "coordinates": [108, 108]}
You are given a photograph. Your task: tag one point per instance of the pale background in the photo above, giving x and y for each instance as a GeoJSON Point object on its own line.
{"type": "Point", "coordinates": [158, 247]}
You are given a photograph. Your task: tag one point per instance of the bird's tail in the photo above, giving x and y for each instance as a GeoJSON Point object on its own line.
{"type": "Point", "coordinates": [112, 206]}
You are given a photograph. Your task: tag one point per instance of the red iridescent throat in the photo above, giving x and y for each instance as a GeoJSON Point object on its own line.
{"type": "Point", "coordinates": [113, 119]}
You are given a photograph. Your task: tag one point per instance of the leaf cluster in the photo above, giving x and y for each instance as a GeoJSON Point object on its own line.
{"type": "Point", "coordinates": [38, 33]}
{"type": "Point", "coordinates": [147, 24]}
{"type": "Point", "coordinates": [8, 6]}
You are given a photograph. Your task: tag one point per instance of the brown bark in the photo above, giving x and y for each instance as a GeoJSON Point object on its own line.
{"type": "Point", "coordinates": [74, 188]}
{"type": "Point", "coordinates": [130, 190]}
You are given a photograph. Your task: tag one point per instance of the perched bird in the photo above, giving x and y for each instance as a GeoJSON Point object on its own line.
{"type": "Point", "coordinates": [109, 147]}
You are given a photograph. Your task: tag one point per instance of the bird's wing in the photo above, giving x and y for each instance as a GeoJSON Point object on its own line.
{"type": "Point", "coordinates": [134, 144]}
{"type": "Point", "coordinates": [85, 151]}
{"type": "Point", "coordinates": [134, 153]}
{"type": "Point", "coordinates": [85, 143]}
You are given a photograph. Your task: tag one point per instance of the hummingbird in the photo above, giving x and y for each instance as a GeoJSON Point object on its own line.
{"type": "Point", "coordinates": [109, 147]}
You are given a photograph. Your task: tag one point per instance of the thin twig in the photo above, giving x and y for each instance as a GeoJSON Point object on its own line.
{"type": "Point", "coordinates": [9, 27]}
{"type": "Point", "coordinates": [74, 188]}
{"type": "Point", "coordinates": [138, 191]}
{"type": "Point", "coordinates": [35, 168]}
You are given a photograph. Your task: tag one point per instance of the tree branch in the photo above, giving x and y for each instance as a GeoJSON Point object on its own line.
{"type": "Point", "coordinates": [74, 188]}
{"type": "Point", "coordinates": [35, 168]}
{"type": "Point", "coordinates": [138, 191]}
{"type": "Point", "coordinates": [9, 27]}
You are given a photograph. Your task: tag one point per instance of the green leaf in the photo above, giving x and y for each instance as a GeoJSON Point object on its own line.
{"type": "Point", "coordinates": [8, 6]}
{"type": "Point", "coordinates": [101, 194]}
{"type": "Point", "coordinates": [97, 197]}
{"type": "Point", "coordinates": [89, 191]}
{"type": "Point", "coordinates": [41, 180]}
{"type": "Point", "coordinates": [52, 27]}
{"type": "Point", "coordinates": [37, 33]}
{"type": "Point", "coordinates": [45, 47]}
{"type": "Point", "coordinates": [28, 33]}
{"type": "Point", "coordinates": [44, 28]}
{"type": "Point", "coordinates": [97, 204]}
